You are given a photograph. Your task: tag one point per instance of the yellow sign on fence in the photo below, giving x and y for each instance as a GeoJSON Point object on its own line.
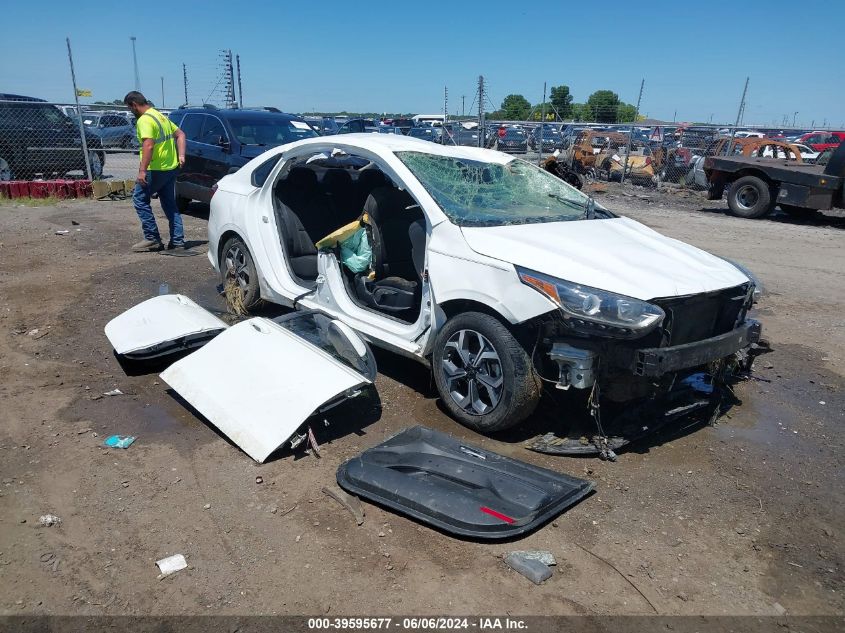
{"type": "Point", "coordinates": [83, 93]}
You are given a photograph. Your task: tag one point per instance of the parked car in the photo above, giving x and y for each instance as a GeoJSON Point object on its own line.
{"type": "Point", "coordinates": [113, 130]}
{"type": "Point", "coordinates": [37, 138]}
{"type": "Point", "coordinates": [220, 141]}
{"type": "Point", "coordinates": [354, 126]}
{"type": "Point", "coordinates": [489, 269]}
{"type": "Point", "coordinates": [324, 125]}
{"type": "Point", "coordinates": [427, 133]}
{"type": "Point", "coordinates": [820, 141]}
{"type": "Point", "coordinates": [808, 154]}
{"type": "Point", "coordinates": [746, 146]}
{"type": "Point", "coordinates": [513, 141]}
{"type": "Point", "coordinates": [550, 135]}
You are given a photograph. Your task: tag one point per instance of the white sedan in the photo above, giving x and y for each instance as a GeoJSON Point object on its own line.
{"type": "Point", "coordinates": [495, 273]}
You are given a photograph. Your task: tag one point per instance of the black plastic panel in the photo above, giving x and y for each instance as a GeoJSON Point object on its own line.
{"type": "Point", "coordinates": [457, 487]}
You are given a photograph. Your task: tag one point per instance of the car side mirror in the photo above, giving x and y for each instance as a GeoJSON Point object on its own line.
{"type": "Point", "coordinates": [223, 142]}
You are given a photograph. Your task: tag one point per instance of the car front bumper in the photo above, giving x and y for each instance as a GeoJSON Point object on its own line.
{"type": "Point", "coordinates": [656, 361]}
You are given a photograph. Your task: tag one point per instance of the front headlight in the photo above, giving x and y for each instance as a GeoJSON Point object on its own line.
{"type": "Point", "coordinates": [593, 311]}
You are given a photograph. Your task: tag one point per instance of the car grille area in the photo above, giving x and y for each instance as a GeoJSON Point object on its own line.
{"type": "Point", "coordinates": [697, 317]}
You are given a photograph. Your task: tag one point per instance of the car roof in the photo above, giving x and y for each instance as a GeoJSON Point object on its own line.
{"type": "Point", "coordinates": [12, 97]}
{"type": "Point", "coordinates": [225, 113]}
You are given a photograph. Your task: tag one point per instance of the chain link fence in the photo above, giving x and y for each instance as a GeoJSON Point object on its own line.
{"type": "Point", "coordinates": [43, 141]}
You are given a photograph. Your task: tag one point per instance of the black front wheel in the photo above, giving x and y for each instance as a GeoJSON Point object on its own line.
{"type": "Point", "coordinates": [236, 265]}
{"type": "Point", "coordinates": [750, 197]}
{"type": "Point", "coordinates": [484, 376]}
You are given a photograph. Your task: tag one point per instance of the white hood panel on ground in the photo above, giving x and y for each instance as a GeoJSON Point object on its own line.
{"type": "Point", "coordinates": [257, 382]}
{"type": "Point", "coordinates": [158, 321]}
{"type": "Point", "coordinates": [618, 255]}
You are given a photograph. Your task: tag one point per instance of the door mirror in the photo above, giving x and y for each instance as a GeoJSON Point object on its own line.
{"type": "Point", "coordinates": [223, 142]}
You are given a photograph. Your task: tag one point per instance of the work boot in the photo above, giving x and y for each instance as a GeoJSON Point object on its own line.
{"type": "Point", "coordinates": [181, 246]}
{"type": "Point", "coordinates": [147, 246]}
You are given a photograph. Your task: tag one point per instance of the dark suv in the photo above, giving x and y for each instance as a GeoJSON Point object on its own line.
{"type": "Point", "coordinates": [37, 138]}
{"type": "Point", "coordinates": [220, 141]}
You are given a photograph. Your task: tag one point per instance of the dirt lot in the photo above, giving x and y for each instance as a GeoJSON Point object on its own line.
{"type": "Point", "coordinates": [745, 517]}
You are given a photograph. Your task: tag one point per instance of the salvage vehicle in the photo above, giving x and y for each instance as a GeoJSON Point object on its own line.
{"type": "Point", "coordinates": [610, 161]}
{"type": "Point", "coordinates": [219, 141]}
{"type": "Point", "coordinates": [512, 141]}
{"type": "Point", "coordinates": [756, 185]}
{"type": "Point", "coordinates": [821, 141]}
{"type": "Point", "coordinates": [492, 271]}
{"type": "Point", "coordinates": [745, 146]}
{"type": "Point", "coordinates": [113, 130]}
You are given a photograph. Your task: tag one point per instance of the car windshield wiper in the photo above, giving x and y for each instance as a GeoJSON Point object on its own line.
{"type": "Point", "coordinates": [588, 207]}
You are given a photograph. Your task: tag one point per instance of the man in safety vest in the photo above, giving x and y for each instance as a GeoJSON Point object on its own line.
{"type": "Point", "coordinates": [162, 153]}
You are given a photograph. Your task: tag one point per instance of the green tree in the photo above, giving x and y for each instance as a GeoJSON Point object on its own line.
{"type": "Point", "coordinates": [604, 105]}
{"type": "Point", "coordinates": [562, 100]}
{"type": "Point", "coordinates": [581, 112]}
{"type": "Point", "coordinates": [515, 108]}
{"type": "Point", "coordinates": [627, 112]}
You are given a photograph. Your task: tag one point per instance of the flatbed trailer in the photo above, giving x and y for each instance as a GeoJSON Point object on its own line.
{"type": "Point", "coordinates": [757, 185]}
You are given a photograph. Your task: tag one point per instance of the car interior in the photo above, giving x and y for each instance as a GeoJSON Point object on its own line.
{"type": "Point", "coordinates": [321, 194]}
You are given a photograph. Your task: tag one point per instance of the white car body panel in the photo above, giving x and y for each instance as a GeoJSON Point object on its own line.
{"type": "Point", "coordinates": [618, 255]}
{"type": "Point", "coordinates": [158, 321]}
{"type": "Point", "coordinates": [470, 264]}
{"type": "Point", "coordinates": [458, 272]}
{"type": "Point", "coordinates": [257, 383]}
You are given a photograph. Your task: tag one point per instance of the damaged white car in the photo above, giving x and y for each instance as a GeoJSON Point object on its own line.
{"type": "Point", "coordinates": [498, 274]}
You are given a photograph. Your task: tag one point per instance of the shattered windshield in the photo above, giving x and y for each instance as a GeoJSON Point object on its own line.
{"type": "Point", "coordinates": [478, 193]}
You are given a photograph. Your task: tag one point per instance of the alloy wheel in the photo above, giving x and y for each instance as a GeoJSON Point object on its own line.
{"type": "Point", "coordinates": [472, 370]}
{"type": "Point", "coordinates": [236, 266]}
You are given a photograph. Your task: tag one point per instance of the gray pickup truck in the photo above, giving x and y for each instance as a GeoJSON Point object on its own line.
{"type": "Point", "coordinates": [757, 185]}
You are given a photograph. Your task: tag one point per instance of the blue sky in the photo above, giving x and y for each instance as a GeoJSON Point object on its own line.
{"type": "Point", "coordinates": [398, 56]}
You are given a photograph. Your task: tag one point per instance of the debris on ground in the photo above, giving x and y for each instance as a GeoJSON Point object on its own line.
{"type": "Point", "coordinates": [531, 568]}
{"type": "Point", "coordinates": [259, 479]}
{"type": "Point", "coordinates": [544, 556]}
{"type": "Point", "coordinates": [65, 232]}
{"type": "Point", "coordinates": [119, 441]}
{"type": "Point", "coordinates": [113, 392]}
{"type": "Point", "coordinates": [49, 520]}
{"type": "Point", "coordinates": [350, 502]}
{"type": "Point", "coordinates": [171, 564]}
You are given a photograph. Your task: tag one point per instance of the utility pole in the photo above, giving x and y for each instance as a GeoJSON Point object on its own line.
{"type": "Point", "coordinates": [542, 122]}
{"type": "Point", "coordinates": [185, 81]}
{"type": "Point", "coordinates": [240, 86]}
{"type": "Point", "coordinates": [794, 114]}
{"type": "Point", "coordinates": [162, 92]}
{"type": "Point", "coordinates": [445, 115]}
{"type": "Point", "coordinates": [738, 116]}
{"type": "Point", "coordinates": [463, 105]}
{"type": "Point", "coordinates": [135, 64]}
{"type": "Point", "coordinates": [79, 113]}
{"type": "Point", "coordinates": [481, 129]}
{"type": "Point", "coordinates": [631, 132]}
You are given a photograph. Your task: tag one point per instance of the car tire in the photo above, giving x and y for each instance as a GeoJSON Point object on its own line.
{"type": "Point", "coordinates": [236, 256]}
{"type": "Point", "coordinates": [502, 389]}
{"type": "Point", "coordinates": [97, 160]}
{"type": "Point", "coordinates": [750, 197]}
{"type": "Point", "coordinates": [182, 204]}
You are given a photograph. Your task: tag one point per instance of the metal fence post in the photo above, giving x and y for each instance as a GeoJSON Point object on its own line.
{"type": "Point", "coordinates": [631, 132]}
{"type": "Point", "coordinates": [85, 154]}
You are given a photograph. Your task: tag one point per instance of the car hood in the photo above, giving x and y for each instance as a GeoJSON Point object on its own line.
{"type": "Point", "coordinates": [618, 255]}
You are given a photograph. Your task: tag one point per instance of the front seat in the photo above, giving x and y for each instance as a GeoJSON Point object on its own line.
{"type": "Point", "coordinates": [393, 290]}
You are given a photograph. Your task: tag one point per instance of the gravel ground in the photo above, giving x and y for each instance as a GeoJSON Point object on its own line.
{"type": "Point", "coordinates": [744, 517]}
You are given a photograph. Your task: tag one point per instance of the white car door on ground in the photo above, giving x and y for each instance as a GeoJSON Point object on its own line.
{"type": "Point", "coordinates": [257, 382]}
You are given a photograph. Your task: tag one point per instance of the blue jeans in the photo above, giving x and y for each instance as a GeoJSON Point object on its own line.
{"type": "Point", "coordinates": [164, 184]}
